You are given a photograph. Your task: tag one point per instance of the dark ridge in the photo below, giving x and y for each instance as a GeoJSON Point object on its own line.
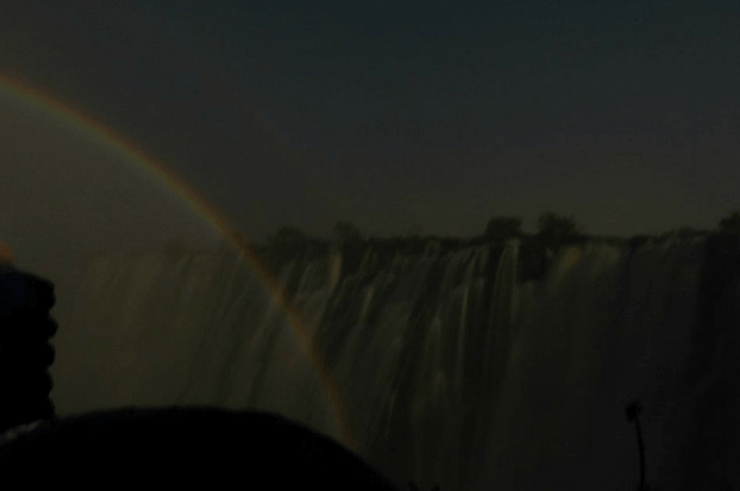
{"type": "Point", "coordinates": [637, 241]}
{"type": "Point", "coordinates": [183, 446]}
{"type": "Point", "coordinates": [276, 256]}
{"type": "Point", "coordinates": [484, 240]}
{"type": "Point", "coordinates": [410, 245]}
{"type": "Point", "coordinates": [534, 254]}
{"type": "Point", "coordinates": [556, 243]}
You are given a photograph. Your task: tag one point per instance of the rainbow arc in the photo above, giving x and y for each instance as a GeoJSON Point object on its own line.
{"type": "Point", "coordinates": [159, 171]}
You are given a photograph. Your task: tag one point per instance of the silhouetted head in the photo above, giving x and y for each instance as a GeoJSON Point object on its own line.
{"type": "Point", "coordinates": [25, 352]}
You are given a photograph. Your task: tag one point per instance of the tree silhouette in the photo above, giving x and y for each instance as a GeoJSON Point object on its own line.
{"type": "Point", "coordinates": [503, 227]}
{"type": "Point", "coordinates": [347, 233]}
{"type": "Point", "coordinates": [730, 224]}
{"type": "Point", "coordinates": [557, 228]}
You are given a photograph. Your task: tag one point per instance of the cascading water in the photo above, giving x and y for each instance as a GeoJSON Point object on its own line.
{"type": "Point", "coordinates": [454, 366]}
{"type": "Point", "coordinates": [156, 330]}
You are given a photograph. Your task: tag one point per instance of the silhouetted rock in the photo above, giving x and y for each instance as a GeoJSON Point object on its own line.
{"type": "Point", "coordinates": [184, 446]}
{"type": "Point", "coordinates": [25, 354]}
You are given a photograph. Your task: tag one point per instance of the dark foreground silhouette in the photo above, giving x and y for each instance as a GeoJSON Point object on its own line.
{"type": "Point", "coordinates": [25, 351]}
{"type": "Point", "coordinates": [184, 446]}
{"type": "Point", "coordinates": [172, 447]}
{"type": "Point", "coordinates": [632, 411]}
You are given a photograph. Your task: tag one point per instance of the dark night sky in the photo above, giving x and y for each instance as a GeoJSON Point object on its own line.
{"type": "Point", "coordinates": [404, 115]}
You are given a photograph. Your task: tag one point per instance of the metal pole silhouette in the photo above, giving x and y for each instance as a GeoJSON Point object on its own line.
{"type": "Point", "coordinates": [632, 411]}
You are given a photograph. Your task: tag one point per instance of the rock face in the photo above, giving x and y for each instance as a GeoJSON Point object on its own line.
{"type": "Point", "coordinates": [494, 365]}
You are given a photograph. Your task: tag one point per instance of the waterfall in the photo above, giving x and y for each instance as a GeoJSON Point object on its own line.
{"type": "Point", "coordinates": [200, 329]}
{"type": "Point", "coordinates": [455, 366]}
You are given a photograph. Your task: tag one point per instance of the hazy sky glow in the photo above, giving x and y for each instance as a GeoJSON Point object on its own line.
{"type": "Point", "coordinates": [65, 188]}
{"type": "Point", "coordinates": [400, 116]}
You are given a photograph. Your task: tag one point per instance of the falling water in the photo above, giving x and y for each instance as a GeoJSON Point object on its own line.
{"type": "Point", "coordinates": [454, 365]}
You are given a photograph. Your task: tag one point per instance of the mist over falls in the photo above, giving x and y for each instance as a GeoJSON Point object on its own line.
{"type": "Point", "coordinates": [488, 366]}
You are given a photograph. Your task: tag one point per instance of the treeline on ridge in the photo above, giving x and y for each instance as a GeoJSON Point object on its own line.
{"type": "Point", "coordinates": [552, 231]}
{"type": "Point", "coordinates": [552, 228]}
